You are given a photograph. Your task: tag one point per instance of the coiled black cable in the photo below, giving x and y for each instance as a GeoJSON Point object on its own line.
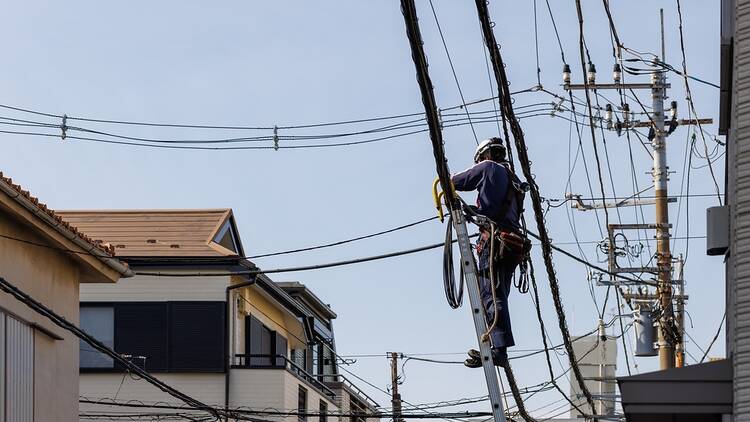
{"type": "Point", "coordinates": [454, 294]}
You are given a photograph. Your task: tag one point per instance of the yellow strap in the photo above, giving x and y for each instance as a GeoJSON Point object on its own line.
{"type": "Point", "coordinates": [436, 198]}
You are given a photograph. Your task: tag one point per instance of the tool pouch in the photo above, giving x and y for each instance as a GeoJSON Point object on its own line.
{"type": "Point", "coordinates": [514, 246]}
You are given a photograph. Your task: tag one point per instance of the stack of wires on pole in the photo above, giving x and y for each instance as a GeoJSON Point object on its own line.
{"type": "Point", "coordinates": [522, 154]}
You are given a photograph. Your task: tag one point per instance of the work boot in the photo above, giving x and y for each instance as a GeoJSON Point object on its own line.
{"type": "Point", "coordinates": [473, 362]}
{"type": "Point", "coordinates": [499, 357]}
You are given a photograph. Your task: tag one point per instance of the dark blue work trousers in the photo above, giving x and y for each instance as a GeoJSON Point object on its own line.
{"type": "Point", "coordinates": [501, 335]}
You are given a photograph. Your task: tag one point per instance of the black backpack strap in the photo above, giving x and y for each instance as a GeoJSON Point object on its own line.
{"type": "Point", "coordinates": [509, 196]}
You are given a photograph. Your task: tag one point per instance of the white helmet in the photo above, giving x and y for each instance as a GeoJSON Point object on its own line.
{"type": "Point", "coordinates": [495, 144]}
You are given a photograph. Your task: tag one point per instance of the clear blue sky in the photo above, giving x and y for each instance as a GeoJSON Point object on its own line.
{"type": "Point", "coordinates": [295, 62]}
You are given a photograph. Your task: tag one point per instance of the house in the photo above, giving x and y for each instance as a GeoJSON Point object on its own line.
{"type": "Point", "coordinates": [46, 257]}
{"type": "Point", "coordinates": [194, 317]}
{"type": "Point", "coordinates": [320, 358]}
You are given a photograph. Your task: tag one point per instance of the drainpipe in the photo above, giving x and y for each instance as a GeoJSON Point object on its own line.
{"type": "Point", "coordinates": [228, 340]}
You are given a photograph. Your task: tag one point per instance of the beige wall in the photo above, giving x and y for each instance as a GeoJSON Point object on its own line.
{"type": "Point", "coordinates": [209, 388]}
{"type": "Point", "coordinates": [291, 390]}
{"type": "Point", "coordinates": [254, 301]}
{"type": "Point", "coordinates": [52, 278]}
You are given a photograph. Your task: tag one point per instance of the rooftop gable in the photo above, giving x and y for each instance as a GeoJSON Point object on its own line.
{"type": "Point", "coordinates": [162, 233]}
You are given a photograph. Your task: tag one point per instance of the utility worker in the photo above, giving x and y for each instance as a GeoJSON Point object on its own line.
{"type": "Point", "coordinates": [500, 197]}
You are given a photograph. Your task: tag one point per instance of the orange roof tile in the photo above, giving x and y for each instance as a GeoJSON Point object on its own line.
{"type": "Point", "coordinates": [108, 249]}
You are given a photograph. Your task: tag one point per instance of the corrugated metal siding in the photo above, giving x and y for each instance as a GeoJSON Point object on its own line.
{"type": "Point", "coordinates": [740, 169]}
{"type": "Point", "coordinates": [19, 348]}
{"type": "Point", "coordinates": [2, 367]}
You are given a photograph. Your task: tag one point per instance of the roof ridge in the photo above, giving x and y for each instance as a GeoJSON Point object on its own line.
{"type": "Point", "coordinates": [146, 210]}
{"type": "Point", "coordinates": [104, 247]}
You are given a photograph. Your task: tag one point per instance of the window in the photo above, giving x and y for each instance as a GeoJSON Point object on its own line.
{"type": "Point", "coordinates": [225, 237]}
{"type": "Point", "coordinates": [299, 358]}
{"type": "Point", "coordinates": [302, 403]}
{"type": "Point", "coordinates": [142, 331]}
{"type": "Point", "coordinates": [99, 322]}
{"type": "Point", "coordinates": [323, 361]}
{"type": "Point", "coordinates": [158, 336]}
{"type": "Point", "coordinates": [196, 343]}
{"type": "Point", "coordinates": [266, 347]}
{"type": "Point", "coordinates": [323, 411]}
{"type": "Point", "coordinates": [316, 360]}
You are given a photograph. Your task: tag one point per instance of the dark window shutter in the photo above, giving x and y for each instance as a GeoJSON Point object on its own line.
{"type": "Point", "coordinates": [266, 346]}
{"type": "Point", "coordinates": [253, 333]}
{"type": "Point", "coordinates": [280, 350]}
{"type": "Point", "coordinates": [141, 330]}
{"type": "Point", "coordinates": [196, 336]}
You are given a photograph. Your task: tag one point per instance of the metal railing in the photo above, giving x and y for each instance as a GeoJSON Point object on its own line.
{"type": "Point", "coordinates": [341, 379]}
{"type": "Point", "coordinates": [266, 361]}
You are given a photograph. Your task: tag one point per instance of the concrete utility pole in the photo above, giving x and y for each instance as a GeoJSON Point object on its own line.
{"type": "Point", "coordinates": [669, 333]}
{"type": "Point", "coordinates": [395, 396]}
{"type": "Point", "coordinates": [660, 173]}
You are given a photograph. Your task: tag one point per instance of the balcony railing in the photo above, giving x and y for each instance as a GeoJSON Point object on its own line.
{"type": "Point", "coordinates": [344, 380]}
{"type": "Point", "coordinates": [263, 361]}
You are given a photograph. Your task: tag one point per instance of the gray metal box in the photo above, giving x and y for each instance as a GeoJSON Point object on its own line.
{"type": "Point", "coordinates": [645, 332]}
{"type": "Point", "coordinates": [717, 230]}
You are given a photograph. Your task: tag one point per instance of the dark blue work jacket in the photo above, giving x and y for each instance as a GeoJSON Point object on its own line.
{"type": "Point", "coordinates": [491, 180]}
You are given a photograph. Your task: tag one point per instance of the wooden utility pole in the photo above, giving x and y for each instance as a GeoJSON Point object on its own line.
{"type": "Point", "coordinates": [395, 396]}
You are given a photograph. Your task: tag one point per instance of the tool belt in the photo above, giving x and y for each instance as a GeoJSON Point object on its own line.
{"type": "Point", "coordinates": [509, 245]}
{"type": "Point", "coordinates": [514, 246]}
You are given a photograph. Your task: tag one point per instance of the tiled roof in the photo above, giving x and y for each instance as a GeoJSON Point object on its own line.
{"type": "Point", "coordinates": [157, 233]}
{"type": "Point", "coordinates": [108, 249]}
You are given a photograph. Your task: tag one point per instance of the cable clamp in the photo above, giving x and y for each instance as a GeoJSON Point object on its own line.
{"type": "Point", "coordinates": [64, 127]}
{"type": "Point", "coordinates": [275, 138]}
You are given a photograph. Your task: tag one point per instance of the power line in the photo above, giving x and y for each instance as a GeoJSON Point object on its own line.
{"type": "Point", "coordinates": [453, 70]}
{"type": "Point", "coordinates": [239, 127]}
{"type": "Point", "coordinates": [337, 263]}
{"type": "Point", "coordinates": [181, 145]}
{"type": "Point", "coordinates": [689, 98]}
{"type": "Point", "coordinates": [343, 242]}
{"type": "Point", "coordinates": [369, 259]}
{"type": "Point", "coordinates": [716, 336]}
{"type": "Point", "coordinates": [240, 412]}
{"type": "Point", "coordinates": [522, 152]}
